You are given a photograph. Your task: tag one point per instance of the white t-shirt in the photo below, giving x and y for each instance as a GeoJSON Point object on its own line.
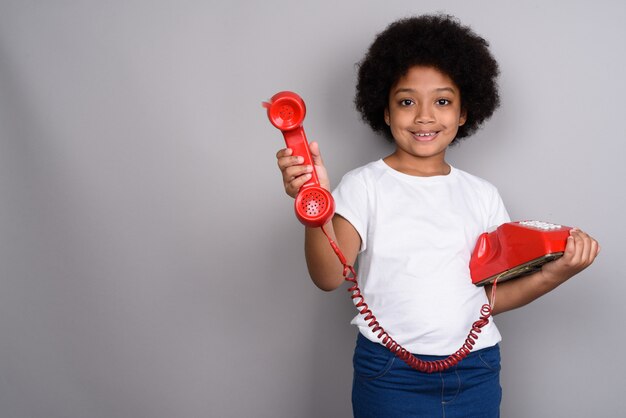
{"type": "Point", "coordinates": [417, 236]}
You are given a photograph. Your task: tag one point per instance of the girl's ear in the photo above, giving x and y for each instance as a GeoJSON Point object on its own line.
{"type": "Point", "coordinates": [387, 116]}
{"type": "Point", "coordinates": [463, 117]}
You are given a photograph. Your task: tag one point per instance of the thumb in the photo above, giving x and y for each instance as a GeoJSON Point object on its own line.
{"type": "Point", "coordinates": [322, 175]}
{"type": "Point", "coordinates": [315, 153]}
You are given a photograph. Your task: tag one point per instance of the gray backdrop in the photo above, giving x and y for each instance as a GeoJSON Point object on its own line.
{"type": "Point", "coordinates": [150, 263]}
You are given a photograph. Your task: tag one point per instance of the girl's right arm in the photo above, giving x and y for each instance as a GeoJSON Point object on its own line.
{"type": "Point", "coordinates": [324, 267]}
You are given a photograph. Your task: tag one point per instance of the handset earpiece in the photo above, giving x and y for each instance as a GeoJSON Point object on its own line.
{"type": "Point", "coordinates": [314, 205]}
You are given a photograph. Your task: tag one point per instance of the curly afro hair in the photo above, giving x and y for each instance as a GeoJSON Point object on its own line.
{"type": "Point", "coordinates": [438, 41]}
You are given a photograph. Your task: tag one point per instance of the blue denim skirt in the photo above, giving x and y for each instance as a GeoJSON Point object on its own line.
{"type": "Point", "coordinates": [384, 386]}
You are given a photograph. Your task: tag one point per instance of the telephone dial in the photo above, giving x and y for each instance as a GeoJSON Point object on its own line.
{"type": "Point", "coordinates": [512, 250]}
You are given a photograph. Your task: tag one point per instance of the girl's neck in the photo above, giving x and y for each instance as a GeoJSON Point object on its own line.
{"type": "Point", "coordinates": [418, 167]}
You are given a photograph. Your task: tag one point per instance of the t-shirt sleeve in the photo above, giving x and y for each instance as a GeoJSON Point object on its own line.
{"type": "Point", "coordinates": [498, 214]}
{"type": "Point", "coordinates": [351, 203]}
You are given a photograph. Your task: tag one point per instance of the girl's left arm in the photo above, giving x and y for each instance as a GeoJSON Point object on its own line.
{"type": "Point", "coordinates": [580, 251]}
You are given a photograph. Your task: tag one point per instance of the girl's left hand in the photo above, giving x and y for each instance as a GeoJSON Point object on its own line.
{"type": "Point", "coordinates": [580, 251]}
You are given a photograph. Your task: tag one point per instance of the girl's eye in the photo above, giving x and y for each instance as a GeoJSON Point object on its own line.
{"type": "Point", "coordinates": [443, 102]}
{"type": "Point", "coordinates": [406, 102]}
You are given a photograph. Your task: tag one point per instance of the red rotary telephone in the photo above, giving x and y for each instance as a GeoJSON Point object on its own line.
{"type": "Point", "coordinates": [516, 249]}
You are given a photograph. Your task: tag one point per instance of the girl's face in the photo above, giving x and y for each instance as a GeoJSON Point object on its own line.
{"type": "Point", "coordinates": [424, 114]}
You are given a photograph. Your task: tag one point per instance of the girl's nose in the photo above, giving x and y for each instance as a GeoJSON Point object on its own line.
{"type": "Point", "coordinates": [423, 115]}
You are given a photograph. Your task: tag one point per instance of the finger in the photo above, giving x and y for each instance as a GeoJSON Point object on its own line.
{"type": "Point", "coordinates": [570, 248]}
{"type": "Point", "coordinates": [587, 247]}
{"type": "Point", "coordinates": [295, 185]}
{"type": "Point", "coordinates": [581, 246]}
{"type": "Point", "coordinates": [289, 161]}
{"type": "Point", "coordinates": [592, 250]}
{"type": "Point", "coordinates": [293, 172]}
{"type": "Point", "coordinates": [585, 241]}
{"type": "Point", "coordinates": [284, 152]}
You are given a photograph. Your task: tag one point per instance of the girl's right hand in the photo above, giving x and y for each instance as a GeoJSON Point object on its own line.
{"type": "Point", "coordinates": [295, 173]}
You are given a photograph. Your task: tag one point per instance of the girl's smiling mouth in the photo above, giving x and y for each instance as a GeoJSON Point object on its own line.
{"type": "Point", "coordinates": [424, 136]}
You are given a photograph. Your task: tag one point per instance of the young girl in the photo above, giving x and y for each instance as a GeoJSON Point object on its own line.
{"type": "Point", "coordinates": [413, 220]}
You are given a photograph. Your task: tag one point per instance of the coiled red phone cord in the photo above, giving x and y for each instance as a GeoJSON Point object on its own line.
{"type": "Point", "coordinates": [349, 274]}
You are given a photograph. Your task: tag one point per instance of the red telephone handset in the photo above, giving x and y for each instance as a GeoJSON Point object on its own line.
{"type": "Point", "coordinates": [314, 205]}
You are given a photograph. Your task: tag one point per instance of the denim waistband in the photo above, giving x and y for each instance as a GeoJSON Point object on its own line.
{"type": "Point", "coordinates": [363, 342]}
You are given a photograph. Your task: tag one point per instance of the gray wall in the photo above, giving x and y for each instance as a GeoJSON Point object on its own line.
{"type": "Point", "coordinates": [150, 263]}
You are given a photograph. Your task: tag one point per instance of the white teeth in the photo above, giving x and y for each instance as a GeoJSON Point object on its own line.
{"type": "Point", "coordinates": [423, 135]}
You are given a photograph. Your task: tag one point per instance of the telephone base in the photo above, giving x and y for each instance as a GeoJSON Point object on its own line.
{"type": "Point", "coordinates": [521, 270]}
